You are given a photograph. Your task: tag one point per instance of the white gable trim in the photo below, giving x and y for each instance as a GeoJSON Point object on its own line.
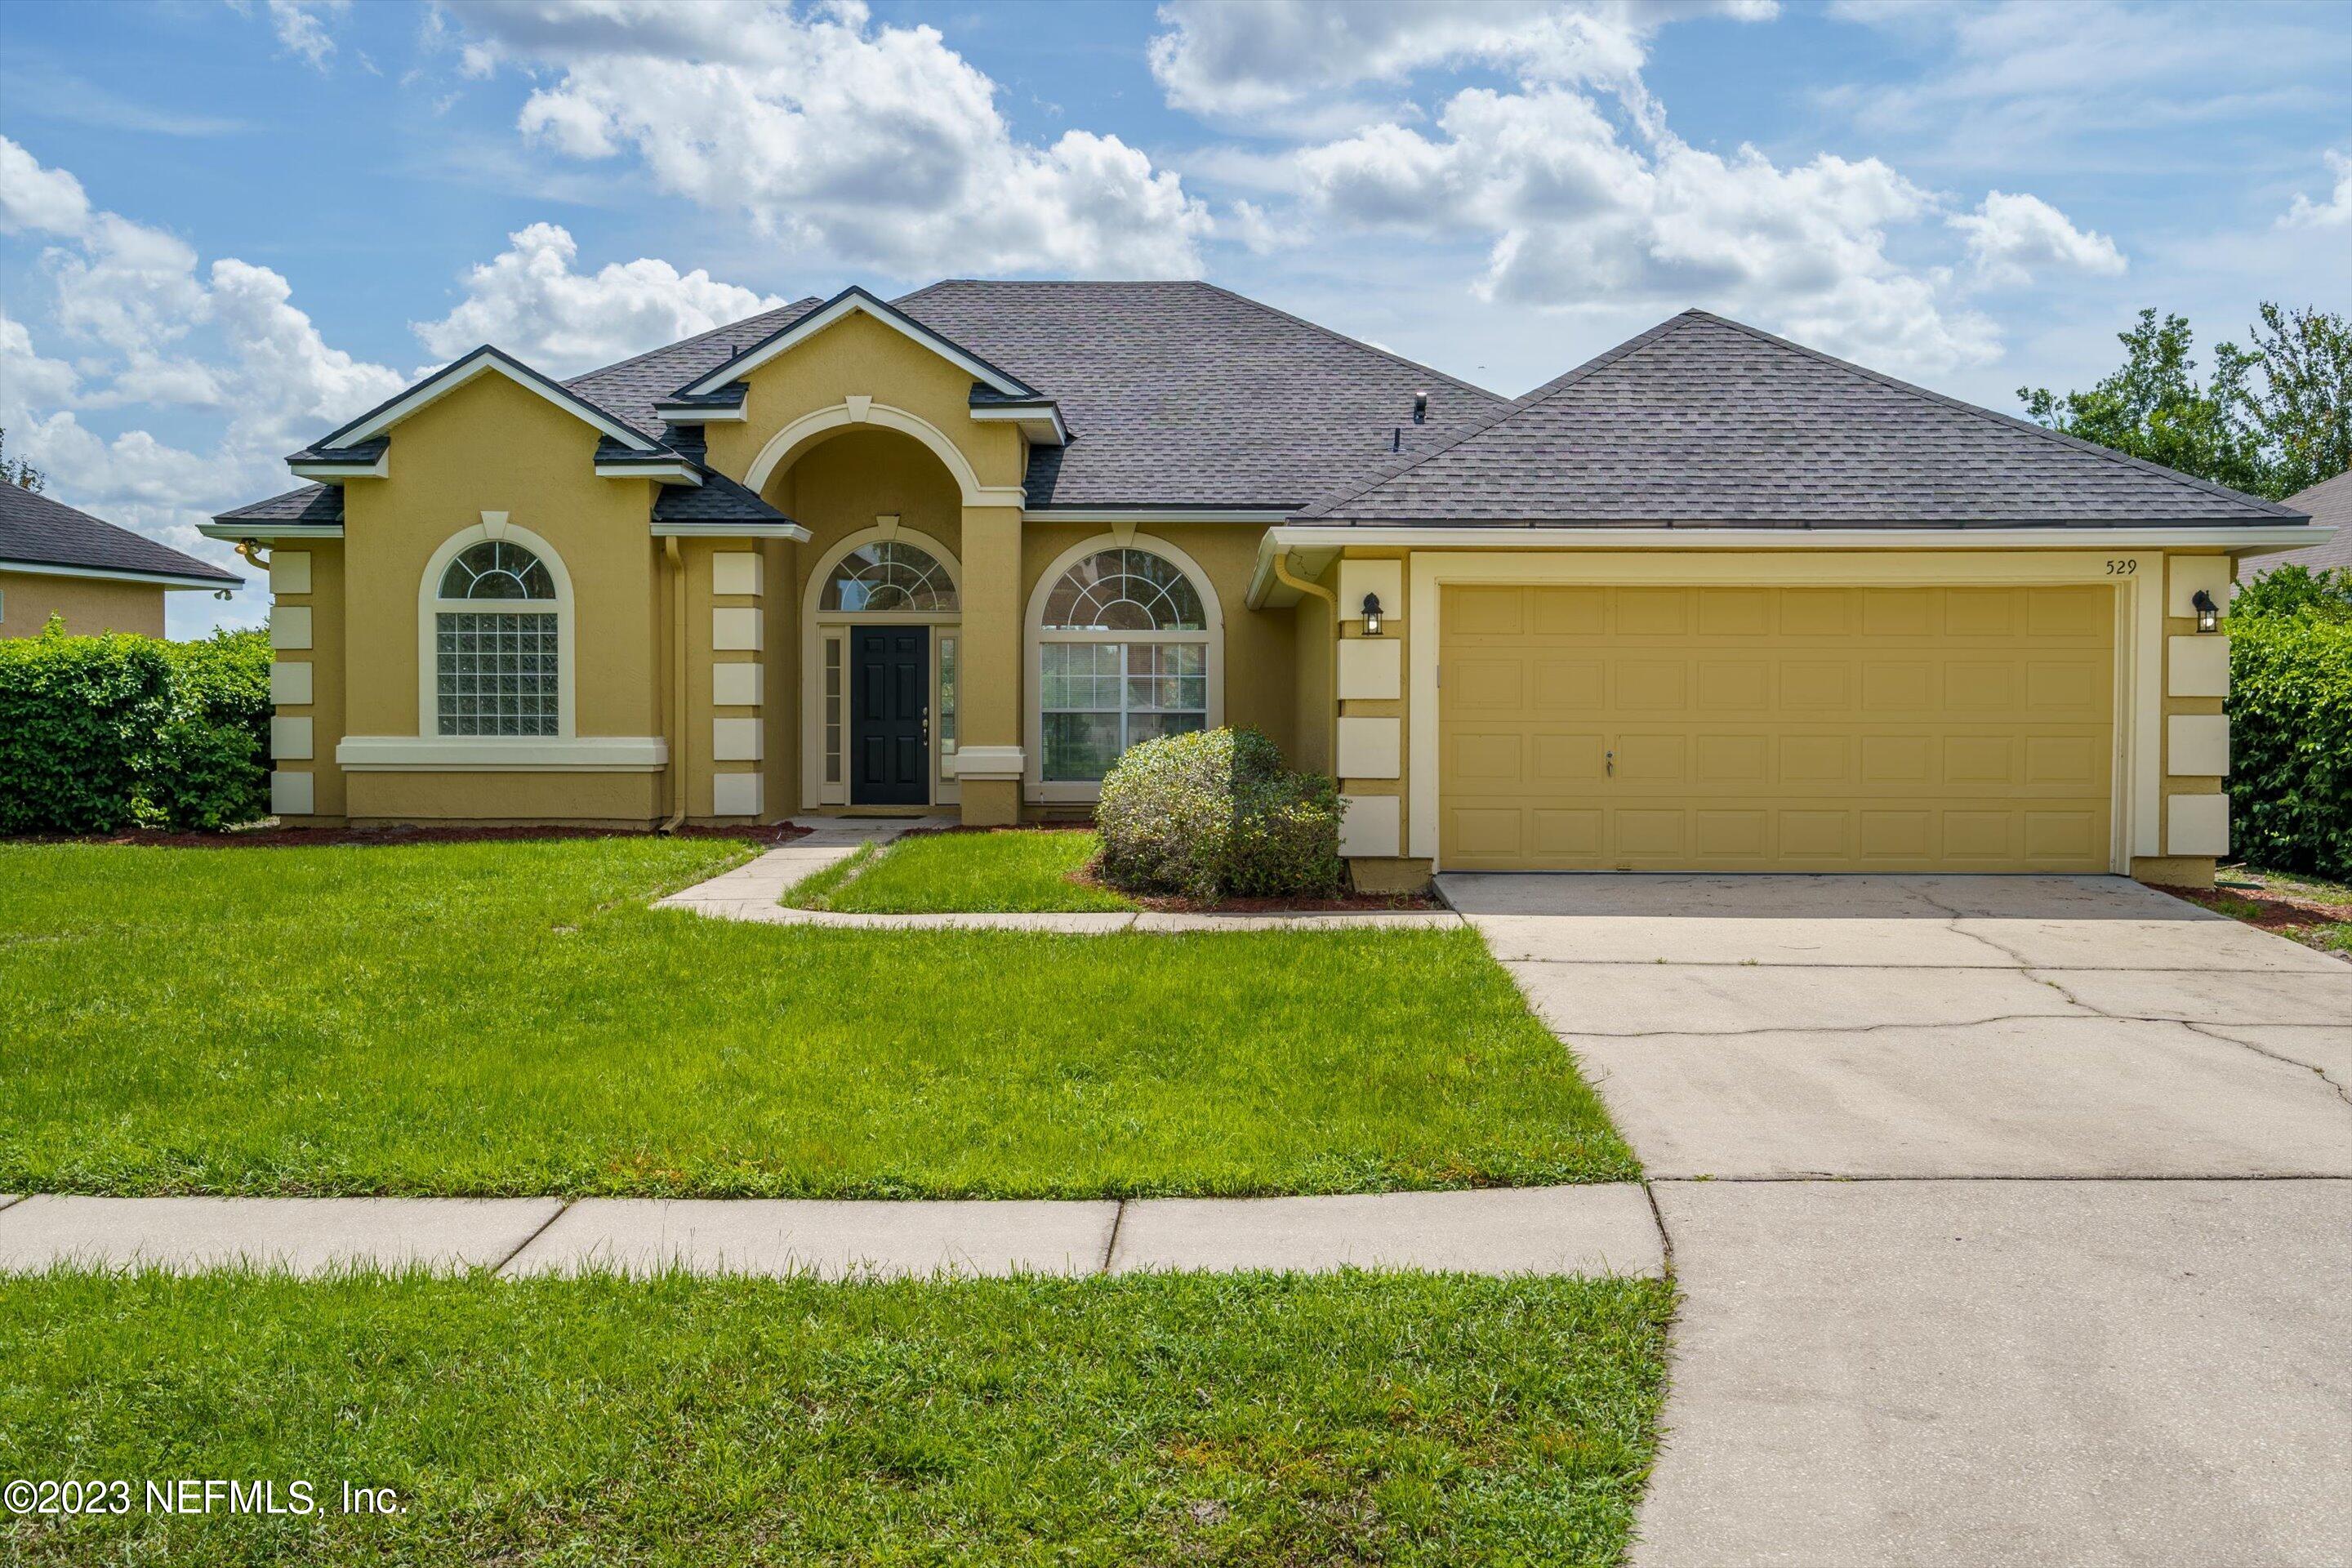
{"type": "Point", "coordinates": [464, 372]}
{"type": "Point", "coordinates": [848, 304]}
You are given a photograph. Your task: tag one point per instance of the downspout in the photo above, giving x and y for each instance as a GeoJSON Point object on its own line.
{"type": "Point", "coordinates": [676, 725]}
{"type": "Point", "coordinates": [1282, 575]}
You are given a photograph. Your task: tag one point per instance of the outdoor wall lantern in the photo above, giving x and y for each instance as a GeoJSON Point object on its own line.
{"type": "Point", "coordinates": [2208, 614]}
{"type": "Point", "coordinates": [1371, 615]}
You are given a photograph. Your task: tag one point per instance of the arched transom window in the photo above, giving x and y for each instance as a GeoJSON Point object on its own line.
{"type": "Point", "coordinates": [1123, 657]}
{"type": "Point", "coordinates": [886, 575]}
{"type": "Point", "coordinates": [494, 638]}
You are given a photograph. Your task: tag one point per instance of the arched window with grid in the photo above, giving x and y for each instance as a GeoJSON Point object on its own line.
{"type": "Point", "coordinates": [496, 622]}
{"type": "Point", "coordinates": [1123, 657]}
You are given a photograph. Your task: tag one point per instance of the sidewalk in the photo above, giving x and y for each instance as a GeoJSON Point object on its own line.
{"type": "Point", "coordinates": [1599, 1229]}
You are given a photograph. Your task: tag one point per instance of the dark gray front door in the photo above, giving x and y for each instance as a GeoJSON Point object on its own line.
{"type": "Point", "coordinates": [890, 715]}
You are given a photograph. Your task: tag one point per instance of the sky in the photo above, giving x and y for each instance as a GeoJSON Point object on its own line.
{"type": "Point", "coordinates": [227, 228]}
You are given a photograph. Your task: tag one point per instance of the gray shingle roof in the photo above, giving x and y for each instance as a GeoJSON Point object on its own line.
{"type": "Point", "coordinates": [39, 532]}
{"type": "Point", "coordinates": [1704, 420]}
{"type": "Point", "coordinates": [2329, 501]}
{"type": "Point", "coordinates": [716, 499]}
{"type": "Point", "coordinates": [629, 390]}
{"type": "Point", "coordinates": [317, 506]}
{"type": "Point", "coordinates": [1188, 395]}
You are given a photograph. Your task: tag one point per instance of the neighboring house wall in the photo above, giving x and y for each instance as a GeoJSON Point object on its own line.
{"type": "Point", "coordinates": [27, 600]}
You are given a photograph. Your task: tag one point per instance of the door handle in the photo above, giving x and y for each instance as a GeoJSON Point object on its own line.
{"type": "Point", "coordinates": [1609, 761]}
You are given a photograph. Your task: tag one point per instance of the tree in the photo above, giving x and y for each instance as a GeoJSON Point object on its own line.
{"type": "Point", "coordinates": [17, 471]}
{"type": "Point", "coordinates": [2303, 409]}
{"type": "Point", "coordinates": [2270, 421]}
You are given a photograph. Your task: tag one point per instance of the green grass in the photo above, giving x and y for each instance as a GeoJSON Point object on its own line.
{"type": "Point", "coordinates": [511, 1018]}
{"type": "Point", "coordinates": [1157, 1419]}
{"type": "Point", "coordinates": [1016, 870]}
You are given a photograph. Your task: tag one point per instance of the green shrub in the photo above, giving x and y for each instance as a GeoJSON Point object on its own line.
{"type": "Point", "coordinates": [1214, 814]}
{"type": "Point", "coordinates": [99, 733]}
{"type": "Point", "coordinates": [2290, 709]}
{"type": "Point", "coordinates": [211, 765]}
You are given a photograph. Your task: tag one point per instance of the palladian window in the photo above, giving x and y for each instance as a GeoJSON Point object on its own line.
{"type": "Point", "coordinates": [495, 643]}
{"type": "Point", "coordinates": [886, 575]}
{"type": "Point", "coordinates": [1123, 657]}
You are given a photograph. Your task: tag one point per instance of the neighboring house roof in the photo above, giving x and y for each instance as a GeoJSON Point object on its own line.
{"type": "Point", "coordinates": [631, 388]}
{"type": "Point", "coordinates": [38, 531]}
{"type": "Point", "coordinates": [1185, 395]}
{"type": "Point", "coordinates": [2329, 501]}
{"type": "Point", "coordinates": [314, 506]}
{"type": "Point", "coordinates": [1701, 420]}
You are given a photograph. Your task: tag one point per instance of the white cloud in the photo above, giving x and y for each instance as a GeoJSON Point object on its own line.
{"type": "Point", "coordinates": [301, 26]}
{"type": "Point", "coordinates": [1576, 218]}
{"type": "Point", "coordinates": [162, 335]}
{"type": "Point", "coordinates": [529, 301]}
{"type": "Point", "coordinates": [1236, 61]}
{"type": "Point", "coordinates": [2010, 235]}
{"type": "Point", "coordinates": [2334, 213]}
{"type": "Point", "coordinates": [855, 145]}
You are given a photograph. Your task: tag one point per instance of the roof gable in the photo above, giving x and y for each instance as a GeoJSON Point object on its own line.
{"type": "Point", "coordinates": [357, 436]}
{"type": "Point", "coordinates": [1704, 420]}
{"type": "Point", "coordinates": [851, 301]}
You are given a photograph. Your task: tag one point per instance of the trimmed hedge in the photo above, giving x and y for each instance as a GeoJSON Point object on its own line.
{"type": "Point", "coordinates": [1214, 814]}
{"type": "Point", "coordinates": [2290, 710]}
{"type": "Point", "coordinates": [101, 734]}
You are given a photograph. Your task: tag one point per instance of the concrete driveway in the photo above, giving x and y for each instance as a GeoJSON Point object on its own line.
{"type": "Point", "coordinates": [2014, 1216]}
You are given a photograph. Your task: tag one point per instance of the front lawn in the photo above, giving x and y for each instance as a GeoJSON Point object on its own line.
{"type": "Point", "coordinates": [1167, 1419]}
{"type": "Point", "coordinates": [1018, 869]}
{"type": "Point", "coordinates": [511, 1018]}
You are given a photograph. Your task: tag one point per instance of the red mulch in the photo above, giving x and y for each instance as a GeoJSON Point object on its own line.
{"type": "Point", "coordinates": [2271, 912]}
{"type": "Point", "coordinates": [285, 838]}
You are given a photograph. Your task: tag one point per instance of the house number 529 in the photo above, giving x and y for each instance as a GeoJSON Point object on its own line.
{"type": "Point", "coordinates": [2122, 568]}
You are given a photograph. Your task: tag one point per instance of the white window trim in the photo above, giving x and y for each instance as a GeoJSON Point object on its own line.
{"type": "Point", "coordinates": [430, 605]}
{"type": "Point", "coordinates": [818, 626]}
{"type": "Point", "coordinates": [1035, 785]}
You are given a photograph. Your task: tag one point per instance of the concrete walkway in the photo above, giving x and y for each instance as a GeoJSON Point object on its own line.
{"type": "Point", "coordinates": [754, 891]}
{"type": "Point", "coordinates": [2010, 1214]}
{"type": "Point", "coordinates": [1601, 1229]}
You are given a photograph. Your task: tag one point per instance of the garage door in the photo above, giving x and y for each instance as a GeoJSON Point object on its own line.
{"type": "Point", "coordinates": [1774, 729]}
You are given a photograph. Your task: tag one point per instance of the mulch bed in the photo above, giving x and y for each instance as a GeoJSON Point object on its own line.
{"type": "Point", "coordinates": [321, 837]}
{"type": "Point", "coordinates": [2271, 912]}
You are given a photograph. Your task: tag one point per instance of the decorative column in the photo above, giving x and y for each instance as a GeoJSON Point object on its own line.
{"type": "Point", "coordinates": [989, 762]}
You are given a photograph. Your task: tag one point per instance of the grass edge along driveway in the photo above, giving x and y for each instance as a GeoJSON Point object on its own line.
{"type": "Point", "coordinates": [510, 1018]}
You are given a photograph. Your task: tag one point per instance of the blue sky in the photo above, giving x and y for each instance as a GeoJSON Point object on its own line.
{"type": "Point", "coordinates": [224, 228]}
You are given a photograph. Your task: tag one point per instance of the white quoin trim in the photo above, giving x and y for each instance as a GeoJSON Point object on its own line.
{"type": "Point", "coordinates": [786, 445]}
{"type": "Point", "coordinates": [429, 603]}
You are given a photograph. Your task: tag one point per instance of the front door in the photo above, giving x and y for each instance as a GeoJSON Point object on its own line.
{"type": "Point", "coordinates": [890, 715]}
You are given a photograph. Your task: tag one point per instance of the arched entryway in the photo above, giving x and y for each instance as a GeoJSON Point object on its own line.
{"type": "Point", "coordinates": [879, 656]}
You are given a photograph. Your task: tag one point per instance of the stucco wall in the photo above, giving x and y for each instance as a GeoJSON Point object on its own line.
{"type": "Point", "coordinates": [89, 606]}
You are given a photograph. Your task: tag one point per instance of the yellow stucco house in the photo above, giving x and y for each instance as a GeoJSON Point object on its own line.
{"type": "Point", "coordinates": [92, 575]}
{"type": "Point", "coordinates": [1712, 601]}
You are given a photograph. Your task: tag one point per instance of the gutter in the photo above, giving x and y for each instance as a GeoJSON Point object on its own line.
{"type": "Point", "coordinates": [2234, 540]}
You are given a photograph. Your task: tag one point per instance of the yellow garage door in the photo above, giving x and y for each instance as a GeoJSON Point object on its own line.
{"type": "Point", "coordinates": [1776, 729]}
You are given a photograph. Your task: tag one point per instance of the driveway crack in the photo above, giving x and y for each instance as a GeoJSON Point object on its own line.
{"type": "Point", "coordinates": [2210, 1033]}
